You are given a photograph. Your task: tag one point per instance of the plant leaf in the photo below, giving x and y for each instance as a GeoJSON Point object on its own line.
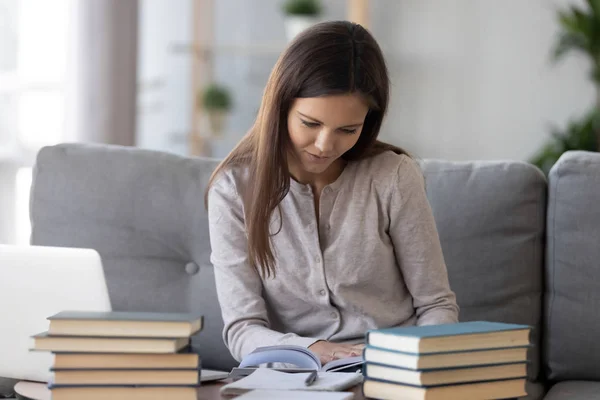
{"type": "Point", "coordinates": [568, 42]}
{"type": "Point", "coordinates": [567, 21]}
{"type": "Point", "coordinates": [594, 6]}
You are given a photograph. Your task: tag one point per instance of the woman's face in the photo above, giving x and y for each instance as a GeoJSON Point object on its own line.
{"type": "Point", "coordinates": [322, 129]}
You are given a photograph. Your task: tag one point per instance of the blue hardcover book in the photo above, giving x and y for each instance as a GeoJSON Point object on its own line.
{"type": "Point", "coordinates": [461, 336]}
{"type": "Point", "coordinates": [122, 377]}
{"type": "Point", "coordinates": [453, 359]}
{"type": "Point", "coordinates": [497, 389]}
{"type": "Point", "coordinates": [129, 392]}
{"type": "Point", "coordinates": [445, 376]}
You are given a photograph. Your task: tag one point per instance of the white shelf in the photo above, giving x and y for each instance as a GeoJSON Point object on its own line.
{"type": "Point", "coordinates": [203, 50]}
{"type": "Point", "coordinates": [150, 84]}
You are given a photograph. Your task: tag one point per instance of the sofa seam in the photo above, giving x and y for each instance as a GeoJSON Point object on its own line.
{"type": "Point", "coordinates": [539, 255]}
{"type": "Point", "coordinates": [552, 262]}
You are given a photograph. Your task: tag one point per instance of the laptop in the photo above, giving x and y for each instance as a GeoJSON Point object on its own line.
{"type": "Point", "coordinates": [37, 282]}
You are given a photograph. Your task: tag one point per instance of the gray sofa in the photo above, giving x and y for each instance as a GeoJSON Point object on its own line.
{"type": "Point", "coordinates": [519, 248]}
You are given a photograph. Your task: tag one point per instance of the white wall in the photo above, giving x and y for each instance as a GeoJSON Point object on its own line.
{"type": "Point", "coordinates": [472, 78]}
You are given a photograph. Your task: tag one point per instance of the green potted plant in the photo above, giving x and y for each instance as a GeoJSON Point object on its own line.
{"type": "Point", "coordinates": [579, 32]}
{"type": "Point", "coordinates": [299, 15]}
{"type": "Point", "coordinates": [217, 102]}
{"type": "Point", "coordinates": [579, 134]}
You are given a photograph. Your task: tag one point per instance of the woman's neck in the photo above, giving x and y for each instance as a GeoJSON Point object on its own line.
{"type": "Point", "coordinates": [317, 181]}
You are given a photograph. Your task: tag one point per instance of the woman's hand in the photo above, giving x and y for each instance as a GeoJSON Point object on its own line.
{"type": "Point", "coordinates": [329, 351]}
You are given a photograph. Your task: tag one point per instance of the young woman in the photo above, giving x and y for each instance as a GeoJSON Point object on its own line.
{"type": "Point", "coordinates": [319, 232]}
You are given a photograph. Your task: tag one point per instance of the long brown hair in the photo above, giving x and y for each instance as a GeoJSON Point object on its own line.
{"type": "Point", "coordinates": [334, 57]}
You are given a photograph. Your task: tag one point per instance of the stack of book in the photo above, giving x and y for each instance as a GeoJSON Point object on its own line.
{"type": "Point", "coordinates": [469, 360]}
{"type": "Point", "coordinates": [122, 355]}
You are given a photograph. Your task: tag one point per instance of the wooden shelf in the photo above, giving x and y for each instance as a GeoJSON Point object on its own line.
{"type": "Point", "coordinates": [203, 48]}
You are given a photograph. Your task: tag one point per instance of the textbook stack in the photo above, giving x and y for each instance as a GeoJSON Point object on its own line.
{"type": "Point", "coordinates": [122, 355]}
{"type": "Point", "coordinates": [469, 360]}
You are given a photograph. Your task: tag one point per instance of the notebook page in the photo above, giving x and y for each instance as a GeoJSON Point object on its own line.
{"type": "Point", "coordinates": [295, 395]}
{"type": "Point", "coordinates": [265, 378]}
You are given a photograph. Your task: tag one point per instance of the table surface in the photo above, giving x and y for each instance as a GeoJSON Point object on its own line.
{"type": "Point", "coordinates": [208, 391]}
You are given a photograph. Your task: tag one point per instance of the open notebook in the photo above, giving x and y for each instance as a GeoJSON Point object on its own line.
{"type": "Point", "coordinates": [268, 379]}
{"type": "Point", "coordinates": [300, 357]}
{"type": "Point", "coordinates": [297, 395]}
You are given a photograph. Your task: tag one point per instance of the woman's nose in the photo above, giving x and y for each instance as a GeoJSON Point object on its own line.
{"type": "Point", "coordinates": [325, 141]}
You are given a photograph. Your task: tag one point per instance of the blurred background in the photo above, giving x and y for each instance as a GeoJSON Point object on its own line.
{"type": "Point", "coordinates": [471, 79]}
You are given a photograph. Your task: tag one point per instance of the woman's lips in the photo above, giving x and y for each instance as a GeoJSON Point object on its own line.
{"type": "Point", "coordinates": [318, 159]}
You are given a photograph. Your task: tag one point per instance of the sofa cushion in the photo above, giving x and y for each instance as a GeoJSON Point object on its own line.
{"type": "Point", "coordinates": [491, 219]}
{"type": "Point", "coordinates": [574, 390]}
{"type": "Point", "coordinates": [143, 211]}
{"type": "Point", "coordinates": [572, 326]}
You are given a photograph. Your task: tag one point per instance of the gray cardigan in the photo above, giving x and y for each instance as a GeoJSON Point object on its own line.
{"type": "Point", "coordinates": [373, 261]}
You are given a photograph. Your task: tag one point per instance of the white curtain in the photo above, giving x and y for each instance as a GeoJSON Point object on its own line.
{"type": "Point", "coordinates": [99, 90]}
{"type": "Point", "coordinates": [101, 99]}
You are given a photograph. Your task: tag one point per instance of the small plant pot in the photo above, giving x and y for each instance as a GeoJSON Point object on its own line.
{"type": "Point", "coordinates": [217, 120]}
{"type": "Point", "coordinates": [294, 24]}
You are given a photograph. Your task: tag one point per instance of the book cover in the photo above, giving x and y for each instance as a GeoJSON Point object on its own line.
{"type": "Point", "coordinates": [448, 386]}
{"type": "Point", "coordinates": [184, 359]}
{"type": "Point", "coordinates": [445, 376]}
{"type": "Point", "coordinates": [48, 335]}
{"type": "Point", "coordinates": [127, 316]}
{"type": "Point", "coordinates": [52, 386]}
{"type": "Point", "coordinates": [461, 328]}
{"type": "Point", "coordinates": [121, 323]}
{"type": "Point", "coordinates": [126, 377]}
{"type": "Point", "coordinates": [137, 392]}
{"type": "Point", "coordinates": [509, 388]}
{"type": "Point", "coordinates": [471, 357]}
{"type": "Point", "coordinates": [449, 353]}
{"type": "Point", "coordinates": [460, 336]}
{"type": "Point", "coordinates": [57, 343]}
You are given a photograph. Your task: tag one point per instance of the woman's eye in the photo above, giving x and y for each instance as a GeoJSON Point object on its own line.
{"type": "Point", "coordinates": [309, 124]}
{"type": "Point", "coordinates": [349, 131]}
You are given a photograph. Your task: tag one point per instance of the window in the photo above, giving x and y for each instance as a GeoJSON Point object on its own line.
{"type": "Point", "coordinates": [34, 50]}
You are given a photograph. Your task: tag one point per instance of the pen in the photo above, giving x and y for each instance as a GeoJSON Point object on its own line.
{"type": "Point", "coordinates": [311, 378]}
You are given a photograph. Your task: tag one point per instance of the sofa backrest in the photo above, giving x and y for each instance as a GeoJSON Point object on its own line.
{"type": "Point", "coordinates": [491, 218]}
{"type": "Point", "coordinates": [572, 301]}
{"type": "Point", "coordinates": [143, 211]}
